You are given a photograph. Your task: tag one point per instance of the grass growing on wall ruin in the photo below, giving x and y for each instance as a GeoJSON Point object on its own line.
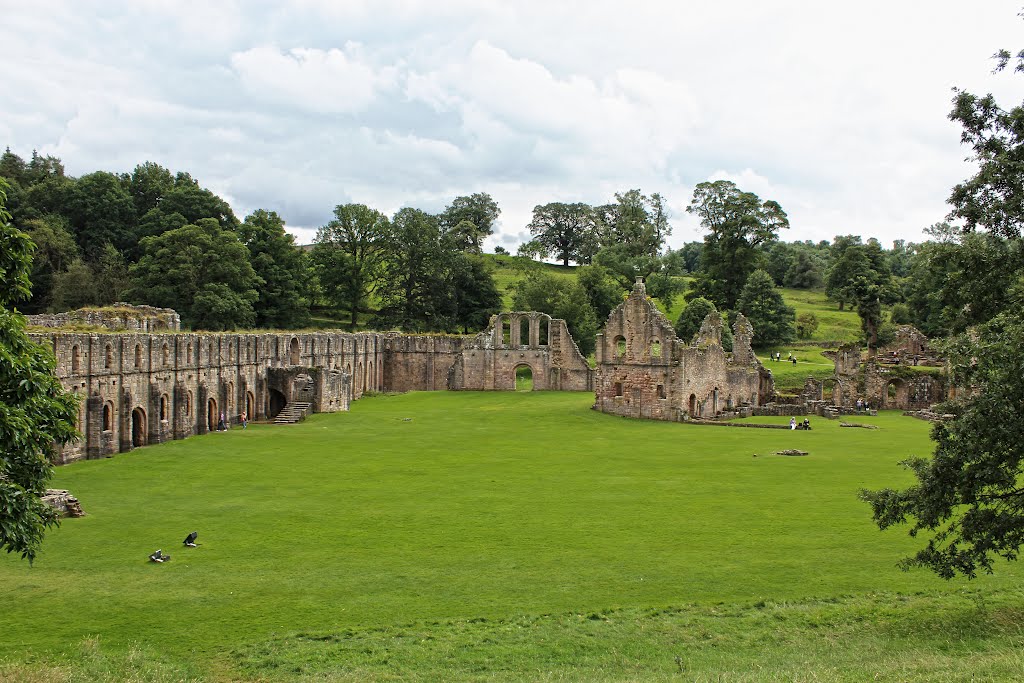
{"type": "Point", "coordinates": [459, 517]}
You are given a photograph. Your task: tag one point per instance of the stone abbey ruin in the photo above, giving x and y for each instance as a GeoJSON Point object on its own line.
{"type": "Point", "coordinates": [142, 380]}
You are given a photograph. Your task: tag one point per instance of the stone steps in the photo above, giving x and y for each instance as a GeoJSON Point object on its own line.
{"type": "Point", "coordinates": [292, 413]}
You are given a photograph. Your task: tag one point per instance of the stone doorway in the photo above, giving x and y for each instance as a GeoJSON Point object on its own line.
{"type": "Point", "coordinates": [138, 428]}
{"type": "Point", "coordinates": [277, 403]}
{"type": "Point", "coordinates": [524, 378]}
{"type": "Point", "coordinates": [211, 415]}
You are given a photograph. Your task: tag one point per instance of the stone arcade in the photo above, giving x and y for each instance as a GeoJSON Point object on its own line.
{"type": "Point", "coordinates": [144, 387]}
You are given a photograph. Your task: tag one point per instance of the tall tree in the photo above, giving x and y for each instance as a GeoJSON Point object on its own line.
{"type": "Point", "coordinates": [414, 294]}
{"type": "Point", "coordinates": [282, 267]}
{"type": "Point", "coordinates": [480, 211]}
{"type": "Point", "coordinates": [475, 294]}
{"type": "Point", "coordinates": [202, 271]}
{"type": "Point", "coordinates": [635, 223]}
{"type": "Point", "coordinates": [566, 231]}
{"type": "Point", "coordinates": [762, 304]}
{"type": "Point", "coordinates": [348, 256]}
{"type": "Point", "coordinates": [737, 222]}
{"type": "Point", "coordinates": [100, 210]}
{"type": "Point", "coordinates": [35, 411]}
{"type": "Point", "coordinates": [968, 496]}
{"type": "Point", "coordinates": [55, 249]}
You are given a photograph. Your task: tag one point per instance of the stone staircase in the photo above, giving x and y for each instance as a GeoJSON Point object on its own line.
{"type": "Point", "coordinates": [296, 410]}
{"type": "Point", "coordinates": [292, 413]}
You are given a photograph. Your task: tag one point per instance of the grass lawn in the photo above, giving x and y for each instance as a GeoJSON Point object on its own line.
{"type": "Point", "coordinates": [468, 536]}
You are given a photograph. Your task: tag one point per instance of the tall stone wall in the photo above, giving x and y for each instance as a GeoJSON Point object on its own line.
{"type": "Point", "coordinates": [645, 371]}
{"type": "Point", "coordinates": [142, 388]}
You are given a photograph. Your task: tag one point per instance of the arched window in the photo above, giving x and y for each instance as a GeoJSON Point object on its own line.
{"type": "Point", "coordinates": [108, 360]}
{"type": "Point", "coordinates": [524, 332]}
{"type": "Point", "coordinates": [188, 403]}
{"type": "Point", "coordinates": [76, 359]}
{"type": "Point", "coordinates": [138, 355]}
{"type": "Point", "coordinates": [544, 332]}
{"type": "Point", "coordinates": [655, 348]}
{"type": "Point", "coordinates": [108, 416]}
{"type": "Point", "coordinates": [163, 407]}
{"type": "Point", "coordinates": [293, 357]}
{"type": "Point", "coordinates": [506, 332]}
{"type": "Point", "coordinates": [620, 346]}
{"type": "Point", "coordinates": [165, 354]}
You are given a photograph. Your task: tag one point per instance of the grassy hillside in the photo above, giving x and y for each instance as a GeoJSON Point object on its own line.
{"type": "Point", "coordinates": [431, 536]}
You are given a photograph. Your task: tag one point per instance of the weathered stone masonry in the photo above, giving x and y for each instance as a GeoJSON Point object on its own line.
{"type": "Point", "coordinates": [141, 388]}
{"type": "Point", "coordinates": [645, 371]}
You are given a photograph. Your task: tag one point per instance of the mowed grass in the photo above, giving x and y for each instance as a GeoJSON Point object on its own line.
{"type": "Point", "coordinates": [338, 544]}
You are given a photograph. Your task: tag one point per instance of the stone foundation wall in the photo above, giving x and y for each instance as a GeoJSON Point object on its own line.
{"type": "Point", "coordinates": [119, 316]}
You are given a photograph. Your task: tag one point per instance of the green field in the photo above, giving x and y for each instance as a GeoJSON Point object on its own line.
{"type": "Point", "coordinates": [504, 536]}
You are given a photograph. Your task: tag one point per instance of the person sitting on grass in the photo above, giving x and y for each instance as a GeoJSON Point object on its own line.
{"type": "Point", "coordinates": [159, 556]}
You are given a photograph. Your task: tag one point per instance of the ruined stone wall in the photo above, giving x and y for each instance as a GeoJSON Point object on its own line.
{"type": "Point", "coordinates": [119, 316]}
{"type": "Point", "coordinates": [137, 389]}
{"type": "Point", "coordinates": [142, 388]}
{"type": "Point", "coordinates": [645, 371]}
{"type": "Point", "coordinates": [521, 339]}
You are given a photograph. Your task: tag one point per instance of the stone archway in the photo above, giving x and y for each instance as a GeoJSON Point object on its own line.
{"type": "Point", "coordinates": [138, 427]}
{"type": "Point", "coordinates": [522, 377]}
{"type": "Point", "coordinates": [692, 407]}
{"type": "Point", "coordinates": [277, 403]}
{"type": "Point", "coordinates": [250, 405]}
{"type": "Point", "coordinates": [211, 415]}
{"type": "Point", "coordinates": [896, 395]}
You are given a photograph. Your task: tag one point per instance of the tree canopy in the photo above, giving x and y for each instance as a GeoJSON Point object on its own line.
{"type": "Point", "coordinates": [35, 411]}
{"type": "Point", "coordinates": [737, 222]}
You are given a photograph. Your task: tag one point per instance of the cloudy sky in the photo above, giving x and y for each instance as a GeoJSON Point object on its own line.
{"type": "Point", "coordinates": [838, 114]}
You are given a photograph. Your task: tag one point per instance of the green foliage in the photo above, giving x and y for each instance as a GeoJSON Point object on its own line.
{"type": "Point", "coordinates": [737, 222]}
{"type": "Point", "coordinates": [282, 266]}
{"type": "Point", "coordinates": [203, 272]}
{"type": "Point", "coordinates": [899, 314]}
{"type": "Point", "coordinates": [348, 256]}
{"type": "Point", "coordinates": [968, 495]}
{"type": "Point", "coordinates": [74, 288]}
{"type": "Point", "coordinates": [475, 294]}
{"type": "Point", "coordinates": [806, 325]}
{"type": "Point", "coordinates": [993, 198]}
{"type": "Point", "coordinates": [565, 231]}
{"type": "Point", "coordinates": [603, 291]}
{"type": "Point", "coordinates": [100, 210]}
{"type": "Point", "coordinates": [539, 290]}
{"type": "Point", "coordinates": [692, 316]}
{"type": "Point", "coordinates": [804, 272]}
{"type": "Point", "coordinates": [55, 251]}
{"type": "Point", "coordinates": [766, 310]}
{"type": "Point", "coordinates": [469, 220]}
{"type": "Point", "coordinates": [636, 223]}
{"type": "Point", "coordinates": [35, 411]}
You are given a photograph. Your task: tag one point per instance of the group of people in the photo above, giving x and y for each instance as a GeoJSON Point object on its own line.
{"type": "Point", "coordinates": [189, 542]}
{"type": "Point", "coordinates": [861, 405]}
{"type": "Point", "coordinates": [793, 424]}
{"type": "Point", "coordinates": [777, 357]}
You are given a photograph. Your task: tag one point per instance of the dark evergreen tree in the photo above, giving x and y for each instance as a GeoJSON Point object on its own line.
{"type": "Point", "coordinates": [762, 304]}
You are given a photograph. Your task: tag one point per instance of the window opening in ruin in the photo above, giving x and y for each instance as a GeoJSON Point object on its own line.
{"type": "Point", "coordinates": [250, 405]}
{"type": "Point", "coordinates": [293, 358]}
{"type": "Point", "coordinates": [545, 331]}
{"type": "Point", "coordinates": [109, 357]}
{"type": "Point", "coordinates": [211, 415]}
{"type": "Point", "coordinates": [138, 428]}
{"type": "Point", "coordinates": [188, 403]}
{"type": "Point", "coordinates": [108, 417]}
{"type": "Point", "coordinates": [506, 332]}
{"type": "Point", "coordinates": [165, 352]}
{"type": "Point", "coordinates": [692, 408]}
{"type": "Point", "coordinates": [524, 378]}
{"type": "Point", "coordinates": [76, 359]}
{"type": "Point", "coordinates": [890, 394]}
{"type": "Point", "coordinates": [163, 408]}
{"type": "Point", "coordinates": [138, 355]}
{"type": "Point", "coordinates": [655, 348]}
{"type": "Point", "coordinates": [620, 346]}
{"type": "Point", "coordinates": [618, 389]}
{"type": "Point", "coordinates": [661, 391]}
{"type": "Point", "coordinates": [524, 332]}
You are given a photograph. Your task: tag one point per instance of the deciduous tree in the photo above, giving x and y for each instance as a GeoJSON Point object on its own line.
{"type": "Point", "coordinates": [566, 231]}
{"type": "Point", "coordinates": [737, 222]}
{"type": "Point", "coordinates": [281, 265]}
{"type": "Point", "coordinates": [35, 411]}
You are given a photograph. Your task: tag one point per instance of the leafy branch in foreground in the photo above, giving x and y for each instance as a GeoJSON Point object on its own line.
{"type": "Point", "coordinates": [969, 496]}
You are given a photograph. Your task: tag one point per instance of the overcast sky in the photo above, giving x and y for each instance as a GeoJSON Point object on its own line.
{"type": "Point", "coordinates": [836, 110]}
